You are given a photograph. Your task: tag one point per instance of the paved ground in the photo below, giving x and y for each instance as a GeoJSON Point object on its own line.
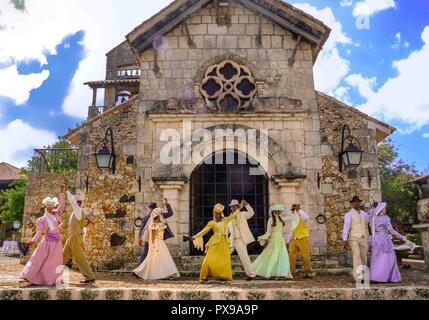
{"type": "Point", "coordinates": [10, 269]}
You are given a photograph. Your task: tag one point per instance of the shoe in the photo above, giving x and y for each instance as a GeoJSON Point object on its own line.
{"type": "Point", "coordinates": [203, 281]}
{"type": "Point", "coordinates": [250, 278]}
{"type": "Point", "coordinates": [310, 275]}
{"type": "Point", "coordinates": [88, 281]}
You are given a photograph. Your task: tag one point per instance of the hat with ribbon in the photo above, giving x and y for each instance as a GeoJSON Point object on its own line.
{"type": "Point", "coordinates": [234, 203]}
{"type": "Point", "coordinates": [277, 207]}
{"type": "Point", "coordinates": [155, 213]}
{"type": "Point", "coordinates": [380, 207]}
{"type": "Point", "coordinates": [218, 208]}
{"type": "Point", "coordinates": [48, 201]}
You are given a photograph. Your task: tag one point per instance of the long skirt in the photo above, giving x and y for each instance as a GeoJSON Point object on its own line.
{"type": "Point", "coordinates": [217, 263]}
{"type": "Point", "coordinates": [274, 260]}
{"type": "Point", "coordinates": [158, 264]}
{"type": "Point", "coordinates": [384, 266]}
{"type": "Point", "coordinates": [46, 264]}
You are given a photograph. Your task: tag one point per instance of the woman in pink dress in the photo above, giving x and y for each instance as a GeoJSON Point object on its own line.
{"type": "Point", "coordinates": [46, 263]}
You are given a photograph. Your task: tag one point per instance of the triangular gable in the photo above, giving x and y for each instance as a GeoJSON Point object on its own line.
{"type": "Point", "coordinates": [281, 13]}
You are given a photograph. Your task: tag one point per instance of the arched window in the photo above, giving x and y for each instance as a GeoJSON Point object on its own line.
{"type": "Point", "coordinates": [229, 86]}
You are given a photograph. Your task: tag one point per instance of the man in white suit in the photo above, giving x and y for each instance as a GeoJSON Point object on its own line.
{"type": "Point", "coordinates": [241, 236]}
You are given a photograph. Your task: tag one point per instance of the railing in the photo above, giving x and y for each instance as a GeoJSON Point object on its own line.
{"type": "Point", "coordinates": [54, 160]}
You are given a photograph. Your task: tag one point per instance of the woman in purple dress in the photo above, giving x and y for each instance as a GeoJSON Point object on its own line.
{"type": "Point", "coordinates": [46, 263]}
{"type": "Point", "coordinates": [384, 267]}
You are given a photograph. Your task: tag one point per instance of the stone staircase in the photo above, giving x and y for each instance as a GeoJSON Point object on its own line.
{"type": "Point", "coordinates": [189, 266]}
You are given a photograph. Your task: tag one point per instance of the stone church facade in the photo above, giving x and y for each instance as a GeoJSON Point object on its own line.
{"type": "Point", "coordinates": [240, 66]}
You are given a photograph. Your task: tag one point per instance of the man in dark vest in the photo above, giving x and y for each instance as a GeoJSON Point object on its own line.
{"type": "Point", "coordinates": [168, 234]}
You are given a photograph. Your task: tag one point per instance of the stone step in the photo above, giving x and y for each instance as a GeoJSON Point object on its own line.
{"type": "Point", "coordinates": [195, 264]}
{"type": "Point", "coordinates": [218, 293]}
{"type": "Point", "coordinates": [241, 274]}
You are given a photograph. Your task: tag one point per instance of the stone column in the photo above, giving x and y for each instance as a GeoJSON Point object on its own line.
{"type": "Point", "coordinates": [423, 229]}
{"type": "Point", "coordinates": [171, 191]}
{"type": "Point", "coordinates": [288, 190]}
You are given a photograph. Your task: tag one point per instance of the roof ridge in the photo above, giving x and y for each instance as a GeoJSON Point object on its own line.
{"type": "Point", "coordinates": [355, 110]}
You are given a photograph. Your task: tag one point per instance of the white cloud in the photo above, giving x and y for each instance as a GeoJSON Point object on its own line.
{"type": "Point", "coordinates": [18, 86]}
{"type": "Point", "coordinates": [19, 136]}
{"type": "Point", "coordinates": [33, 34]}
{"type": "Point", "coordinates": [426, 135]}
{"type": "Point", "coordinates": [342, 94]}
{"type": "Point", "coordinates": [365, 86]}
{"type": "Point", "coordinates": [371, 7]}
{"type": "Point", "coordinates": [330, 68]}
{"type": "Point", "coordinates": [405, 97]}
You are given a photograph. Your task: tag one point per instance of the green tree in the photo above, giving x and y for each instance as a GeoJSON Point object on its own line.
{"type": "Point", "coordinates": [394, 174]}
{"type": "Point", "coordinates": [60, 157]}
{"type": "Point", "coordinates": [12, 201]}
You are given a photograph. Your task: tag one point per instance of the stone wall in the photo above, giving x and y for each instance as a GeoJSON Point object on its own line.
{"type": "Point", "coordinates": [40, 186]}
{"type": "Point", "coordinates": [180, 65]}
{"type": "Point", "coordinates": [336, 187]}
{"type": "Point", "coordinates": [111, 197]}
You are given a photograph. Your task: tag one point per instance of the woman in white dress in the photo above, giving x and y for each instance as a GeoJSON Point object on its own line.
{"type": "Point", "coordinates": [159, 264]}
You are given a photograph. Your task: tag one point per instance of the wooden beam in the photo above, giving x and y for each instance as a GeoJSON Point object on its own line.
{"type": "Point", "coordinates": [280, 21]}
{"type": "Point", "coordinates": [156, 68]}
{"type": "Point", "coordinates": [143, 44]}
{"type": "Point", "coordinates": [191, 42]}
{"type": "Point", "coordinates": [259, 42]}
{"type": "Point", "coordinates": [295, 51]}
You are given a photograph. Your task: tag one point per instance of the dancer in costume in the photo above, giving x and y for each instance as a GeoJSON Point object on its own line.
{"type": "Point", "coordinates": [168, 234]}
{"type": "Point", "coordinates": [274, 260]}
{"type": "Point", "coordinates": [300, 242]}
{"type": "Point", "coordinates": [241, 236]}
{"type": "Point", "coordinates": [158, 264]}
{"type": "Point", "coordinates": [74, 248]}
{"type": "Point", "coordinates": [356, 233]}
{"type": "Point", "coordinates": [217, 263]}
{"type": "Point", "coordinates": [384, 267]}
{"type": "Point", "coordinates": [46, 264]}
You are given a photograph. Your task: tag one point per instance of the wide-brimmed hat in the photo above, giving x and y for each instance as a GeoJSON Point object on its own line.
{"type": "Point", "coordinates": [277, 207]}
{"type": "Point", "coordinates": [234, 203]}
{"type": "Point", "coordinates": [355, 199]}
{"type": "Point", "coordinates": [379, 208]}
{"type": "Point", "coordinates": [152, 206]}
{"type": "Point", "coordinates": [155, 213]}
{"type": "Point", "coordinates": [218, 208]}
{"type": "Point", "coordinates": [48, 201]}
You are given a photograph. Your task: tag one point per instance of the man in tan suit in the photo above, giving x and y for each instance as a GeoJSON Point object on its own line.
{"type": "Point", "coordinates": [73, 248]}
{"type": "Point", "coordinates": [241, 236]}
{"type": "Point", "coordinates": [356, 233]}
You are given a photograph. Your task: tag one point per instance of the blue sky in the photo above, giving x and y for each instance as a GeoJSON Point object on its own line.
{"type": "Point", "coordinates": [50, 49]}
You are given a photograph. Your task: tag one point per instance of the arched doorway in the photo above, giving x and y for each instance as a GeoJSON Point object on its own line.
{"type": "Point", "coordinates": [213, 183]}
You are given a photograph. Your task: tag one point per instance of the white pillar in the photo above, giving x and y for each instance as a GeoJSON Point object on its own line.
{"type": "Point", "coordinates": [171, 191]}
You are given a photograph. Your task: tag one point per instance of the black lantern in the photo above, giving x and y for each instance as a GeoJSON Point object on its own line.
{"type": "Point", "coordinates": [351, 156]}
{"type": "Point", "coordinates": [16, 225]}
{"type": "Point", "coordinates": [106, 159]}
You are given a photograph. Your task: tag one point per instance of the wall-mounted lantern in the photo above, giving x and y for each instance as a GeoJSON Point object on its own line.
{"type": "Point", "coordinates": [106, 159]}
{"type": "Point", "coordinates": [350, 156]}
{"type": "Point", "coordinates": [16, 225]}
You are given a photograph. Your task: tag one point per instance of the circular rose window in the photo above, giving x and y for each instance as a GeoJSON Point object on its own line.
{"type": "Point", "coordinates": [228, 86]}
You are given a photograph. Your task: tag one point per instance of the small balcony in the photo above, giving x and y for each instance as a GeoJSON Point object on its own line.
{"type": "Point", "coordinates": [54, 161]}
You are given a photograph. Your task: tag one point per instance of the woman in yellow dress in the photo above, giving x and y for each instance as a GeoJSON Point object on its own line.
{"type": "Point", "coordinates": [217, 263]}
